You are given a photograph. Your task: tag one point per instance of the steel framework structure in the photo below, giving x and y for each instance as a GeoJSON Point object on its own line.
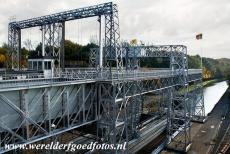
{"type": "Point", "coordinates": [112, 99]}
{"type": "Point", "coordinates": [54, 34]}
{"type": "Point", "coordinates": [45, 112]}
{"type": "Point", "coordinates": [182, 108]}
{"type": "Point", "coordinates": [111, 95]}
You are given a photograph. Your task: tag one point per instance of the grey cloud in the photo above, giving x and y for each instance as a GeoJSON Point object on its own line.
{"type": "Point", "coordinates": [156, 21]}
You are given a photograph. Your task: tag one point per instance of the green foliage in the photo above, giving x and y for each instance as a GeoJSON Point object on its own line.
{"type": "Point", "coordinates": [75, 54]}
{"type": "Point", "coordinates": [71, 50]}
{"type": "Point", "coordinates": [3, 50]}
{"type": "Point", "coordinates": [78, 55]}
{"type": "Point", "coordinates": [3, 55]}
{"type": "Point", "coordinates": [155, 62]}
{"type": "Point", "coordinates": [218, 68]}
{"type": "Point", "coordinates": [74, 51]}
{"type": "Point", "coordinates": [194, 62]}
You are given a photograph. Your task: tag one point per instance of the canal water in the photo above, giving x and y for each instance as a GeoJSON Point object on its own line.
{"type": "Point", "coordinates": [213, 94]}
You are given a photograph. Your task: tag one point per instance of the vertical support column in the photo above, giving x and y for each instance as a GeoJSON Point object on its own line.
{"type": "Point", "coordinates": [180, 109]}
{"type": "Point", "coordinates": [134, 60]}
{"type": "Point", "coordinates": [83, 101]}
{"type": "Point", "coordinates": [159, 102]}
{"type": "Point", "coordinates": [137, 106]}
{"type": "Point", "coordinates": [62, 49]}
{"type": "Point", "coordinates": [43, 41]}
{"type": "Point", "coordinates": [100, 44]}
{"type": "Point", "coordinates": [10, 45]}
{"type": "Point", "coordinates": [46, 40]}
{"type": "Point", "coordinates": [113, 54]}
{"type": "Point", "coordinates": [65, 108]}
{"type": "Point", "coordinates": [46, 109]}
{"type": "Point", "coordinates": [54, 44]}
{"type": "Point", "coordinates": [169, 113]}
{"type": "Point", "coordinates": [53, 29]}
{"type": "Point", "coordinates": [114, 112]}
{"type": "Point", "coordinates": [108, 41]}
{"type": "Point", "coordinates": [49, 39]}
{"type": "Point", "coordinates": [127, 49]}
{"type": "Point", "coordinates": [99, 100]}
{"type": "Point", "coordinates": [116, 35]}
{"type": "Point", "coordinates": [198, 110]}
{"type": "Point", "coordinates": [94, 99]}
{"type": "Point", "coordinates": [14, 44]}
{"type": "Point", "coordinates": [99, 113]}
{"type": "Point", "coordinates": [24, 108]}
{"type": "Point", "coordinates": [115, 122]}
{"type": "Point", "coordinates": [172, 61]}
{"type": "Point", "coordinates": [107, 128]}
{"type": "Point", "coordinates": [19, 50]}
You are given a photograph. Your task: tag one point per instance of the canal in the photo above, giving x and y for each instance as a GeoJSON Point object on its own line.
{"type": "Point", "coordinates": [212, 95]}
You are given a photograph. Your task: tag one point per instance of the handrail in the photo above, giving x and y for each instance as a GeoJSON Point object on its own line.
{"type": "Point", "coordinates": [81, 74]}
{"type": "Point", "coordinates": [85, 75]}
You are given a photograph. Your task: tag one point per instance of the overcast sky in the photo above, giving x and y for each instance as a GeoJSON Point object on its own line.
{"type": "Point", "coordinates": [152, 21]}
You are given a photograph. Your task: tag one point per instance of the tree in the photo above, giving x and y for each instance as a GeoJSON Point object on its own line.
{"type": "Point", "coordinates": [133, 42]}
{"type": "Point", "coordinates": [71, 50]}
{"type": "Point", "coordinates": [3, 56]}
{"type": "Point", "coordinates": [207, 73]}
{"type": "Point", "coordinates": [194, 62]}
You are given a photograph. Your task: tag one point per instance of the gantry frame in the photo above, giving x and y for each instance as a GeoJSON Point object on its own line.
{"type": "Point", "coordinates": [181, 109]}
{"type": "Point", "coordinates": [119, 92]}
{"type": "Point", "coordinates": [54, 34]}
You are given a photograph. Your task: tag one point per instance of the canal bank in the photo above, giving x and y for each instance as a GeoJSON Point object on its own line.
{"type": "Point", "coordinates": [208, 83]}
{"type": "Point", "coordinates": [206, 134]}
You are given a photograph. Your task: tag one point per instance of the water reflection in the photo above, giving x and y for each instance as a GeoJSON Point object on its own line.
{"type": "Point", "coordinates": [213, 94]}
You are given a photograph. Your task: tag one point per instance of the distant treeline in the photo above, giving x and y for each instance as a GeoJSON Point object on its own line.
{"type": "Point", "coordinates": [78, 56]}
{"type": "Point", "coordinates": [212, 68]}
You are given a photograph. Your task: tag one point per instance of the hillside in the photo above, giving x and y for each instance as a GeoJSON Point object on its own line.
{"type": "Point", "coordinates": [213, 68]}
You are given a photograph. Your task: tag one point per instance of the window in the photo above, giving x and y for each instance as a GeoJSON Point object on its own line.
{"type": "Point", "coordinates": [35, 65]}
{"type": "Point", "coordinates": [49, 65]}
{"type": "Point", "coordinates": [30, 65]}
{"type": "Point", "coordinates": [40, 65]}
{"type": "Point", "coordinates": [46, 65]}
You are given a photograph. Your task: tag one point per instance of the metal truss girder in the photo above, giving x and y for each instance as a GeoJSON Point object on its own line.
{"type": "Point", "coordinates": [31, 129]}
{"type": "Point", "coordinates": [85, 12]}
{"type": "Point", "coordinates": [155, 51]}
{"type": "Point", "coordinates": [19, 111]}
{"type": "Point", "coordinates": [53, 27]}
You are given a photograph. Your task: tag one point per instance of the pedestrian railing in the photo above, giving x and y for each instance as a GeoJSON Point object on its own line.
{"type": "Point", "coordinates": [73, 75]}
